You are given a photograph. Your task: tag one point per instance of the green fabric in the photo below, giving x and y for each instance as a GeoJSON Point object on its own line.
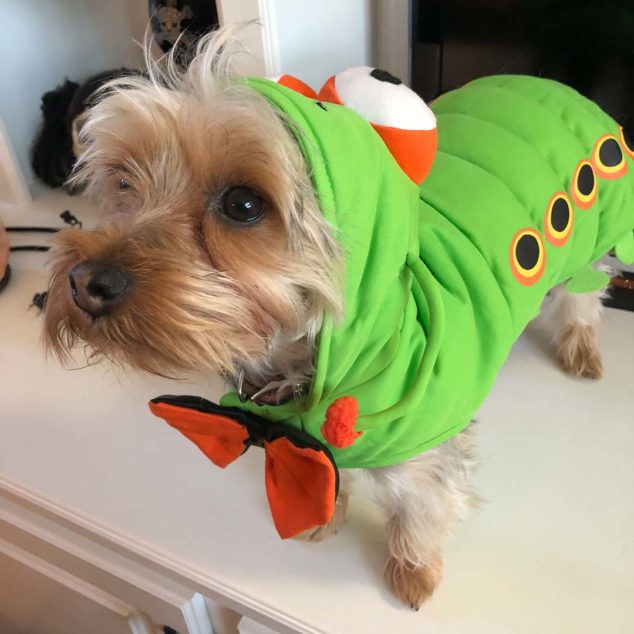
{"type": "Point", "coordinates": [625, 248]}
{"type": "Point", "coordinates": [587, 280]}
{"type": "Point", "coordinates": [432, 306]}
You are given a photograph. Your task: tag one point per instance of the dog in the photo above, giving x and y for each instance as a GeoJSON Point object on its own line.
{"type": "Point", "coordinates": [214, 255]}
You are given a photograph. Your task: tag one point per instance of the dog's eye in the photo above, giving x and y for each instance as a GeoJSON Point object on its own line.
{"type": "Point", "coordinates": [124, 185]}
{"type": "Point", "coordinates": [243, 204]}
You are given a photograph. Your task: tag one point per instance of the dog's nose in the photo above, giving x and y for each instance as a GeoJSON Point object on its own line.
{"type": "Point", "coordinates": [96, 288]}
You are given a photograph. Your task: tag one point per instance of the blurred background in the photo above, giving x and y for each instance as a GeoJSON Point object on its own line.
{"type": "Point", "coordinates": [587, 45]}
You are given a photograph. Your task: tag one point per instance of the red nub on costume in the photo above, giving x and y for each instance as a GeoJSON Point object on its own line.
{"type": "Point", "coordinates": [341, 417]}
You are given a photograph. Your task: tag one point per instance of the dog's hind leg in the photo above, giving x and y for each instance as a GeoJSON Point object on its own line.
{"type": "Point", "coordinates": [576, 318]}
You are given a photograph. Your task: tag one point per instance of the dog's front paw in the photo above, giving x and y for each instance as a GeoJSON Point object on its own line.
{"type": "Point", "coordinates": [410, 584]}
{"type": "Point", "coordinates": [328, 530]}
{"type": "Point", "coordinates": [578, 354]}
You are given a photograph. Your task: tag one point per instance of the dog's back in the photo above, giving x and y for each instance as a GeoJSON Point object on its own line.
{"type": "Point", "coordinates": [532, 183]}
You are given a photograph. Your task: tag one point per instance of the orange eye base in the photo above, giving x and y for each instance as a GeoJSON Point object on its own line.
{"type": "Point", "coordinates": [608, 160]}
{"type": "Point", "coordinates": [527, 256]}
{"type": "Point", "coordinates": [583, 188]}
{"type": "Point", "coordinates": [559, 219]}
{"type": "Point", "coordinates": [627, 142]}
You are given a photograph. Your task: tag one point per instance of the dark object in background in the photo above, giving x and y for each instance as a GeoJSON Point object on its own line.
{"type": "Point", "coordinates": [64, 110]}
{"type": "Point", "coordinates": [6, 277]}
{"type": "Point", "coordinates": [69, 218]}
{"type": "Point", "coordinates": [53, 158]}
{"type": "Point", "coordinates": [583, 43]}
{"type": "Point", "coordinates": [184, 19]}
{"type": "Point", "coordinates": [39, 300]}
{"type": "Point", "coordinates": [5, 269]}
{"type": "Point", "coordinates": [586, 44]}
{"type": "Point", "coordinates": [620, 293]}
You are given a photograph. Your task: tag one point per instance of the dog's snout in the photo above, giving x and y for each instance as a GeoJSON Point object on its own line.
{"type": "Point", "coordinates": [96, 288]}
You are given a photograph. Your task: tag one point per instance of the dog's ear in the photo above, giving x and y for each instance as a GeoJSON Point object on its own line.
{"type": "Point", "coordinates": [52, 156]}
{"type": "Point", "coordinates": [75, 129]}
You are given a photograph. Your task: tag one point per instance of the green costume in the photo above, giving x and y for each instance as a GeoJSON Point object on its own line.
{"type": "Point", "coordinates": [441, 280]}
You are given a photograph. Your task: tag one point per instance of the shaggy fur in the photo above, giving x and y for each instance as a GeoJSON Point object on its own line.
{"type": "Point", "coordinates": [207, 293]}
{"type": "Point", "coordinates": [246, 300]}
{"type": "Point", "coordinates": [577, 319]}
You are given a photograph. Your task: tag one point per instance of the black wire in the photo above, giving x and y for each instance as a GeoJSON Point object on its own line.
{"type": "Point", "coordinates": [29, 247]}
{"type": "Point", "coordinates": [33, 229]}
{"type": "Point", "coordinates": [39, 300]}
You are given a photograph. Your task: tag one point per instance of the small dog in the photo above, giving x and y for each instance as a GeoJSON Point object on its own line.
{"type": "Point", "coordinates": [214, 255]}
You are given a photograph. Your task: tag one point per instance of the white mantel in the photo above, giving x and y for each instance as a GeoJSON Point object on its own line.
{"type": "Point", "coordinates": [85, 468]}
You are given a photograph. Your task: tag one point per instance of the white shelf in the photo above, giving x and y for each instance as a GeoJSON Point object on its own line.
{"type": "Point", "coordinates": [551, 550]}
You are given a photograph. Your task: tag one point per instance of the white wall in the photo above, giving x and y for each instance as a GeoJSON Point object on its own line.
{"type": "Point", "coordinates": [44, 41]}
{"type": "Point", "coordinates": [319, 38]}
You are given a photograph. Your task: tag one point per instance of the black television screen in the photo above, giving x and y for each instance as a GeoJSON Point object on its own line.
{"type": "Point", "coordinates": [588, 45]}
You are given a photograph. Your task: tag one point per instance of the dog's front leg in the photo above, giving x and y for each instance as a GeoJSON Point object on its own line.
{"type": "Point", "coordinates": [423, 497]}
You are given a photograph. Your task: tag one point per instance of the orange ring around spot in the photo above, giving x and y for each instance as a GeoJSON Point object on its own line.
{"type": "Point", "coordinates": [628, 150]}
{"type": "Point", "coordinates": [605, 171]}
{"type": "Point", "coordinates": [558, 238]}
{"type": "Point", "coordinates": [583, 201]}
{"type": "Point", "coordinates": [524, 276]}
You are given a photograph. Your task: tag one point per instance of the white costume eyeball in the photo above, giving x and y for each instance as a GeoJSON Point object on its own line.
{"type": "Point", "coordinates": [400, 117]}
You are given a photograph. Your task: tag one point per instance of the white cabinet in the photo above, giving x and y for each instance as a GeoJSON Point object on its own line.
{"type": "Point", "coordinates": [41, 599]}
{"type": "Point", "coordinates": [56, 578]}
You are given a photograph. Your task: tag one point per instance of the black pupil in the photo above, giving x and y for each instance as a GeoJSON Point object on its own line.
{"type": "Point", "coordinates": [383, 75]}
{"type": "Point", "coordinates": [560, 215]}
{"type": "Point", "coordinates": [123, 184]}
{"type": "Point", "coordinates": [585, 180]}
{"type": "Point", "coordinates": [610, 153]}
{"type": "Point", "coordinates": [527, 252]}
{"type": "Point", "coordinates": [243, 204]}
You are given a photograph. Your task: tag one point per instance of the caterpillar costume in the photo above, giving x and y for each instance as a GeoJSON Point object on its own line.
{"type": "Point", "coordinates": [531, 183]}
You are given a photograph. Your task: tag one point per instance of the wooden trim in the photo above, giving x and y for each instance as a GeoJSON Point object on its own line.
{"type": "Point", "coordinates": [196, 616]}
{"type": "Point", "coordinates": [64, 578]}
{"type": "Point", "coordinates": [141, 623]}
{"type": "Point", "coordinates": [13, 189]}
{"type": "Point", "coordinates": [258, 33]}
{"type": "Point", "coordinates": [392, 37]}
{"type": "Point", "coordinates": [143, 588]}
{"type": "Point", "coordinates": [139, 552]}
{"type": "Point", "coordinates": [270, 42]}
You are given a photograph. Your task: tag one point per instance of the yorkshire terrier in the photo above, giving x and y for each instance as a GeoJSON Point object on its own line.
{"type": "Point", "coordinates": [213, 255]}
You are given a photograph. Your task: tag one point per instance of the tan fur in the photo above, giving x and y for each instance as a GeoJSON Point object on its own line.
{"type": "Point", "coordinates": [578, 352]}
{"type": "Point", "coordinates": [576, 320]}
{"type": "Point", "coordinates": [410, 584]}
{"type": "Point", "coordinates": [424, 498]}
{"type": "Point", "coordinates": [207, 294]}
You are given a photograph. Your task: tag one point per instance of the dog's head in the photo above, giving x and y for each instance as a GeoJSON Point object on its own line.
{"type": "Point", "coordinates": [212, 245]}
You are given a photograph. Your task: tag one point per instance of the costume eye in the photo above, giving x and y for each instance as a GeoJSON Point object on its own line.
{"type": "Point", "coordinates": [628, 142]}
{"type": "Point", "coordinates": [584, 185]}
{"type": "Point", "coordinates": [124, 185]}
{"type": "Point", "coordinates": [528, 257]}
{"type": "Point", "coordinates": [558, 220]}
{"type": "Point", "coordinates": [242, 204]}
{"type": "Point", "coordinates": [607, 157]}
